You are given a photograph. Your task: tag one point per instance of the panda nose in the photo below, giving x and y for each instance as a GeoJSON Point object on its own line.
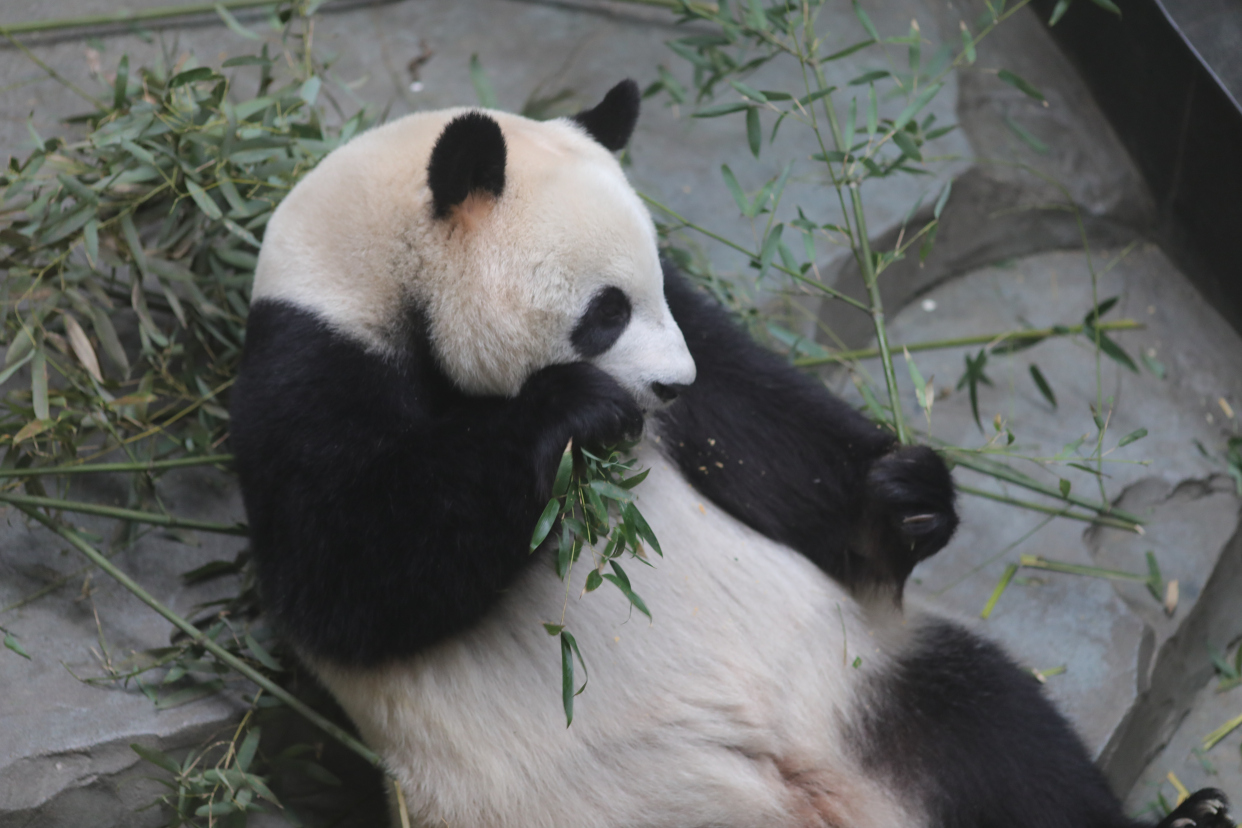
{"type": "Point", "coordinates": [667, 392]}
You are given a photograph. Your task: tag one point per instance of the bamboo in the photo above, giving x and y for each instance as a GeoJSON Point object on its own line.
{"type": "Point", "coordinates": [199, 638]}
{"type": "Point", "coordinates": [141, 16]}
{"type": "Point", "coordinates": [1003, 472]}
{"type": "Point", "coordinates": [995, 339]}
{"type": "Point", "coordinates": [1064, 512]}
{"type": "Point", "coordinates": [100, 468]}
{"type": "Point", "coordinates": [123, 514]}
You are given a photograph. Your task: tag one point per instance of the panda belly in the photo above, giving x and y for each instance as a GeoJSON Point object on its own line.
{"type": "Point", "coordinates": [729, 709]}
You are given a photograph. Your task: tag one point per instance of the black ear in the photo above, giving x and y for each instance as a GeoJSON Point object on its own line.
{"type": "Point", "coordinates": [612, 121]}
{"type": "Point", "coordinates": [469, 157]}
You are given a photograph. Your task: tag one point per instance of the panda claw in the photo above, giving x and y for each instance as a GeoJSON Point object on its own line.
{"type": "Point", "coordinates": [1207, 808]}
{"type": "Point", "coordinates": [911, 514]}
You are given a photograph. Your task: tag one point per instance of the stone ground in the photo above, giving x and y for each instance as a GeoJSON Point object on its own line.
{"type": "Point", "coordinates": [1135, 678]}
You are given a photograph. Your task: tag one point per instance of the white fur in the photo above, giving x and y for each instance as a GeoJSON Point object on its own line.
{"type": "Point", "coordinates": [726, 710]}
{"type": "Point", "coordinates": [502, 284]}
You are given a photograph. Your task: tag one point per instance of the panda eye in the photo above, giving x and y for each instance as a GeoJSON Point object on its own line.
{"type": "Point", "coordinates": [602, 324]}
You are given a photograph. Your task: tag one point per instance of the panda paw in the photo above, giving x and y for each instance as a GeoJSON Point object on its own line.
{"type": "Point", "coordinates": [1208, 808]}
{"type": "Point", "coordinates": [582, 402]}
{"type": "Point", "coordinates": [911, 498]}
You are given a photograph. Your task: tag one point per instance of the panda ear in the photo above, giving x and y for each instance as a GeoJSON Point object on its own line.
{"type": "Point", "coordinates": [468, 159]}
{"type": "Point", "coordinates": [612, 121]}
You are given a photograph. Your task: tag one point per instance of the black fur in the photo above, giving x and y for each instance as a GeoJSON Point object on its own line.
{"type": "Point", "coordinates": [387, 509]}
{"type": "Point", "coordinates": [611, 122]}
{"type": "Point", "coordinates": [602, 324]}
{"type": "Point", "coordinates": [775, 449]}
{"type": "Point", "coordinates": [469, 157]}
{"type": "Point", "coordinates": [961, 728]}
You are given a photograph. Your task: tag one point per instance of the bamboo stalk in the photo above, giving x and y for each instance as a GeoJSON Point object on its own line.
{"type": "Point", "coordinates": [1035, 334]}
{"type": "Point", "coordinates": [141, 16]}
{"type": "Point", "coordinates": [1003, 472]}
{"type": "Point", "coordinates": [123, 514]}
{"type": "Point", "coordinates": [1036, 562]}
{"type": "Point", "coordinates": [100, 468]}
{"type": "Point", "coordinates": [199, 638]}
{"type": "Point", "coordinates": [1064, 512]}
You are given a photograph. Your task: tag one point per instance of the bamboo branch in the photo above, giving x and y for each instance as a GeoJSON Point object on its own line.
{"type": "Point", "coordinates": [100, 468]}
{"type": "Point", "coordinates": [141, 16]}
{"type": "Point", "coordinates": [199, 638]}
{"type": "Point", "coordinates": [991, 340]}
{"type": "Point", "coordinates": [123, 514]}
{"type": "Point", "coordinates": [1003, 472]}
{"type": "Point", "coordinates": [1115, 523]}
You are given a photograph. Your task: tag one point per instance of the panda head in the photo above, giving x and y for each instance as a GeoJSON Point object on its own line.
{"type": "Point", "coordinates": [514, 244]}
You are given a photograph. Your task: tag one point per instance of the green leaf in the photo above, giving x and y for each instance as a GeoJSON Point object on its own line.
{"type": "Point", "coordinates": [620, 573]}
{"type": "Point", "coordinates": [10, 641]}
{"type": "Point", "coordinates": [569, 649]}
{"type": "Point", "coordinates": [631, 482]}
{"type": "Point", "coordinates": [872, 112]}
{"type": "Point", "coordinates": [204, 201]}
{"type": "Point", "coordinates": [1058, 12]}
{"type": "Point", "coordinates": [635, 517]}
{"type": "Point", "coordinates": [943, 200]}
{"type": "Point", "coordinates": [1154, 365]}
{"type": "Point", "coordinates": [749, 92]}
{"type": "Point", "coordinates": [202, 73]}
{"type": "Point", "coordinates": [234, 25]}
{"type": "Point", "coordinates": [1099, 310]}
{"type": "Point", "coordinates": [554, 629]}
{"type": "Point", "coordinates": [1042, 384]}
{"type": "Point", "coordinates": [1110, 348]}
{"type": "Point", "coordinates": [1020, 84]}
{"type": "Point", "coordinates": [754, 131]}
{"type": "Point", "coordinates": [611, 491]}
{"type": "Point", "coordinates": [806, 100]}
{"type": "Point", "coordinates": [905, 143]}
{"type": "Point", "coordinates": [851, 121]}
{"type": "Point", "coordinates": [849, 50]}
{"type": "Point", "coordinates": [38, 385]}
{"type": "Point", "coordinates": [1108, 5]}
{"type": "Point", "coordinates": [249, 745]}
{"type": "Point", "coordinates": [594, 580]}
{"type": "Point", "coordinates": [564, 472]}
{"type": "Point", "coordinates": [769, 248]}
{"type": "Point", "coordinates": [545, 523]}
{"type": "Point", "coordinates": [915, 107]}
{"type": "Point", "coordinates": [870, 77]}
{"type": "Point", "coordinates": [1133, 436]}
{"type": "Point", "coordinates": [156, 758]}
{"type": "Point", "coordinates": [755, 18]}
{"type": "Point", "coordinates": [190, 694]}
{"type": "Point", "coordinates": [482, 86]}
{"type": "Point", "coordinates": [90, 241]}
{"type": "Point", "coordinates": [1065, 487]}
{"type": "Point", "coordinates": [865, 21]}
{"type": "Point", "coordinates": [310, 90]}
{"type": "Point", "coordinates": [735, 189]}
{"type": "Point", "coordinates": [121, 84]}
{"type": "Point", "coordinates": [968, 44]}
{"type": "Point", "coordinates": [262, 655]}
{"type": "Point", "coordinates": [721, 109]}
{"type": "Point", "coordinates": [628, 593]}
{"type": "Point", "coordinates": [973, 377]}
{"type": "Point", "coordinates": [1027, 138]}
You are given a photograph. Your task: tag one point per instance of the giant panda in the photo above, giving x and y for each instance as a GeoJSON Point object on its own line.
{"type": "Point", "coordinates": [438, 308]}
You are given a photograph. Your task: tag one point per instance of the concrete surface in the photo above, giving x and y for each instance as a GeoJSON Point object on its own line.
{"type": "Point", "coordinates": [1131, 673]}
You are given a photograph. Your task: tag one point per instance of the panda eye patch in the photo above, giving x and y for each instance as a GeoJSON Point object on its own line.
{"type": "Point", "coordinates": [602, 324]}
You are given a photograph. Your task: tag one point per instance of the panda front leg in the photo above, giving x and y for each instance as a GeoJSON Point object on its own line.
{"type": "Point", "coordinates": [774, 448]}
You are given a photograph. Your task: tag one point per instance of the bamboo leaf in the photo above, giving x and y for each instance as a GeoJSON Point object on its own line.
{"type": "Point", "coordinates": [234, 25]}
{"type": "Point", "coordinates": [1133, 436]}
{"type": "Point", "coordinates": [865, 21]}
{"type": "Point", "coordinates": [1109, 6]}
{"type": "Point", "coordinates": [482, 85]}
{"type": "Point", "coordinates": [754, 130]}
{"type": "Point", "coordinates": [1042, 384]}
{"type": "Point", "coordinates": [545, 523]}
{"type": "Point", "coordinates": [915, 107]}
{"type": "Point", "coordinates": [1058, 12]}
{"type": "Point", "coordinates": [38, 385]}
{"type": "Point", "coordinates": [157, 758]}
{"type": "Point", "coordinates": [11, 642]}
{"type": "Point", "coordinates": [735, 189]}
{"type": "Point", "coordinates": [249, 745]}
{"type": "Point", "coordinates": [1020, 84]}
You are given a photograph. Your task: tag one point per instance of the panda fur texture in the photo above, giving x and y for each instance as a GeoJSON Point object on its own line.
{"type": "Point", "coordinates": [438, 308]}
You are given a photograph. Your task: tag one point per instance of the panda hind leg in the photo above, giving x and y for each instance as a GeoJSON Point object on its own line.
{"type": "Point", "coordinates": [1207, 808]}
{"type": "Point", "coordinates": [910, 514]}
